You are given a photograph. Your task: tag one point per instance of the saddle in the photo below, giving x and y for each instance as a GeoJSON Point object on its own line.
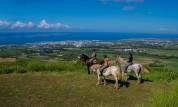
{"type": "Point", "coordinates": [128, 65]}
{"type": "Point", "coordinates": [103, 71]}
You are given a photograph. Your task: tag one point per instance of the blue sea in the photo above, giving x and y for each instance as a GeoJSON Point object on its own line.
{"type": "Point", "coordinates": [23, 38]}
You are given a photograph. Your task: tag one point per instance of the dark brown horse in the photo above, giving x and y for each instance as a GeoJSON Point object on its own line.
{"type": "Point", "coordinates": [84, 58]}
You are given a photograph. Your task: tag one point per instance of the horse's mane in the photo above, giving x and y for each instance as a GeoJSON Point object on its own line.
{"type": "Point", "coordinates": [86, 55]}
{"type": "Point", "coordinates": [121, 60]}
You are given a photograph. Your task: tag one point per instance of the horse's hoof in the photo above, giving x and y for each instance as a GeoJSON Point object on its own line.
{"type": "Point", "coordinates": [98, 84]}
{"type": "Point", "coordinates": [116, 87]}
{"type": "Point", "coordinates": [138, 82]}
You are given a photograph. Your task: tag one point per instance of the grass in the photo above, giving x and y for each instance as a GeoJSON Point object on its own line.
{"type": "Point", "coordinates": [161, 74]}
{"type": "Point", "coordinates": [65, 90]}
{"type": "Point", "coordinates": [38, 82]}
{"type": "Point", "coordinates": [66, 84]}
{"type": "Point", "coordinates": [164, 96]}
{"type": "Point", "coordinates": [23, 66]}
{"type": "Point", "coordinates": [56, 66]}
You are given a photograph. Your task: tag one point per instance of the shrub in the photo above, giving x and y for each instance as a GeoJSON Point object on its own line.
{"type": "Point", "coordinates": [20, 69]}
{"type": "Point", "coordinates": [35, 66]}
{"type": "Point", "coordinates": [5, 69]}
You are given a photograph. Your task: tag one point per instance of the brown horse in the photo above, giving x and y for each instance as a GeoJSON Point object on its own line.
{"type": "Point", "coordinates": [84, 58]}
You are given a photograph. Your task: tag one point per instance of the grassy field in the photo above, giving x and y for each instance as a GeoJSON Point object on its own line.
{"type": "Point", "coordinates": [76, 89]}
{"type": "Point", "coordinates": [65, 86]}
{"type": "Point", "coordinates": [68, 89]}
{"type": "Point", "coordinates": [47, 81]}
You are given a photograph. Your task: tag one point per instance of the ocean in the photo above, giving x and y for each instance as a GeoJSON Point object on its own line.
{"type": "Point", "coordinates": [23, 38]}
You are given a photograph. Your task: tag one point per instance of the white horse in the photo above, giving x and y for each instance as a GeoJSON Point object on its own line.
{"type": "Point", "coordinates": [94, 68]}
{"type": "Point", "coordinates": [137, 68]}
{"type": "Point", "coordinates": [112, 70]}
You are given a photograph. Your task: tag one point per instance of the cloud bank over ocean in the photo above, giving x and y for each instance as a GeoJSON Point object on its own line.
{"type": "Point", "coordinates": [43, 24]}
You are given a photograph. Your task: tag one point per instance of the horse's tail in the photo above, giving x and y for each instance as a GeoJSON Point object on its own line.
{"type": "Point", "coordinates": [144, 70]}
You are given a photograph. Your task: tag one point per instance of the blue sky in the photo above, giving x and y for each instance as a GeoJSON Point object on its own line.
{"type": "Point", "coordinates": [137, 16]}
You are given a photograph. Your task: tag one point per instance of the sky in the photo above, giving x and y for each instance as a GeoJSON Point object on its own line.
{"type": "Point", "coordinates": [132, 16]}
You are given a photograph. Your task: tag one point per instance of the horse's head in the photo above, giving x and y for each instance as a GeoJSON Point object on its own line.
{"type": "Point", "coordinates": [120, 60]}
{"type": "Point", "coordinates": [84, 58]}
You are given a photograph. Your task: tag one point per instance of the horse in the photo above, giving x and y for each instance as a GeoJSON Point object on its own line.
{"type": "Point", "coordinates": [137, 68]}
{"type": "Point", "coordinates": [112, 70]}
{"type": "Point", "coordinates": [92, 66]}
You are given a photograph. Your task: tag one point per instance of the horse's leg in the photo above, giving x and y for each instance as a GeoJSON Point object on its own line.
{"type": "Point", "coordinates": [138, 77]}
{"type": "Point", "coordinates": [125, 75]}
{"type": "Point", "coordinates": [116, 82]}
{"type": "Point", "coordinates": [98, 82]}
{"type": "Point", "coordinates": [104, 80]}
{"type": "Point", "coordinates": [88, 67]}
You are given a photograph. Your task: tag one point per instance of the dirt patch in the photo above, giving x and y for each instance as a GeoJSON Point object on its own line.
{"type": "Point", "coordinates": [7, 60]}
{"type": "Point", "coordinates": [144, 62]}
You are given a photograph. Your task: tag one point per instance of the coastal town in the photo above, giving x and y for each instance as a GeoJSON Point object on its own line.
{"type": "Point", "coordinates": [66, 50]}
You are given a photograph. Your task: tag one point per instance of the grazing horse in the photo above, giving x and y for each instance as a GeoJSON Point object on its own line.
{"type": "Point", "coordinates": [89, 65]}
{"type": "Point", "coordinates": [137, 68]}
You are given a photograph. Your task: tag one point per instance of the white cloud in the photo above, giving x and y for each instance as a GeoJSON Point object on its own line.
{"type": "Point", "coordinates": [122, 1]}
{"type": "Point", "coordinates": [4, 23]}
{"type": "Point", "coordinates": [135, 1]}
{"type": "Point", "coordinates": [128, 8]}
{"type": "Point", "coordinates": [30, 24]}
{"type": "Point", "coordinates": [167, 29]}
{"type": "Point", "coordinates": [163, 29]}
{"type": "Point", "coordinates": [128, 4]}
{"type": "Point", "coordinates": [59, 26]}
{"type": "Point", "coordinates": [45, 25]}
{"type": "Point", "coordinates": [20, 24]}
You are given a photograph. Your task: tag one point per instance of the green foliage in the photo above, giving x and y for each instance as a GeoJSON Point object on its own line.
{"type": "Point", "coordinates": [10, 51]}
{"type": "Point", "coordinates": [35, 66]}
{"type": "Point", "coordinates": [160, 71]}
{"type": "Point", "coordinates": [159, 74]}
{"type": "Point", "coordinates": [12, 68]}
{"type": "Point", "coordinates": [157, 64]}
{"type": "Point", "coordinates": [55, 66]}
